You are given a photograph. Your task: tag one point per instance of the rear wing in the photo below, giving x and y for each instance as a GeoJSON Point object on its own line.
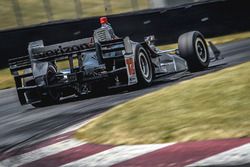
{"type": "Point", "coordinates": [39, 53]}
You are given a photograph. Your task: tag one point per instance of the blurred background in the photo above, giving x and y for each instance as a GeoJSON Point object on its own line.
{"type": "Point", "coordinates": [19, 13]}
{"type": "Point", "coordinates": [55, 21]}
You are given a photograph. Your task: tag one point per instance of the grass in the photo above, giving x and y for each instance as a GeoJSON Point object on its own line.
{"type": "Point", "coordinates": [33, 11]}
{"type": "Point", "coordinates": [213, 106]}
{"type": "Point", "coordinates": [6, 80]}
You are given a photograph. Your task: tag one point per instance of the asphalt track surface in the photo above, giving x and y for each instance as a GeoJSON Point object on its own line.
{"type": "Point", "coordinates": [21, 125]}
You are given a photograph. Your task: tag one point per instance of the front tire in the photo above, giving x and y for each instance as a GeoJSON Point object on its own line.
{"type": "Point", "coordinates": [193, 48]}
{"type": "Point", "coordinates": [143, 66]}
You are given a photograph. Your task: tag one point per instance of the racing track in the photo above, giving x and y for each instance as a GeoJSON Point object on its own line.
{"type": "Point", "coordinates": [23, 124]}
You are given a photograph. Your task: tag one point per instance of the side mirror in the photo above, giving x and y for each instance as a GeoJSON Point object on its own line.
{"type": "Point", "coordinates": [150, 40]}
{"type": "Point", "coordinates": [128, 45]}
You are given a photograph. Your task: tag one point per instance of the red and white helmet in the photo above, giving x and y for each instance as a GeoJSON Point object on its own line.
{"type": "Point", "coordinates": [103, 20]}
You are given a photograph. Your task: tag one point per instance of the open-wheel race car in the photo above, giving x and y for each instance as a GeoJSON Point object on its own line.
{"type": "Point", "coordinates": [102, 62]}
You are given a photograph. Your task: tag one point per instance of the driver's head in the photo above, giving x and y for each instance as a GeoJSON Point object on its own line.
{"type": "Point", "coordinates": [103, 20]}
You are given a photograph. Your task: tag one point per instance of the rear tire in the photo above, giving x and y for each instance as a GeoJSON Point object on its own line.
{"type": "Point", "coordinates": [193, 48]}
{"type": "Point", "coordinates": [48, 98]}
{"type": "Point", "coordinates": [143, 66]}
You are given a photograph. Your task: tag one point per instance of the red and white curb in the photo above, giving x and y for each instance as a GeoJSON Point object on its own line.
{"type": "Point", "coordinates": [234, 157]}
{"type": "Point", "coordinates": [63, 150]}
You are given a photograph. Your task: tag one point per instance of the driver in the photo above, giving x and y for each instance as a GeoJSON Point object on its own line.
{"type": "Point", "coordinates": [106, 25]}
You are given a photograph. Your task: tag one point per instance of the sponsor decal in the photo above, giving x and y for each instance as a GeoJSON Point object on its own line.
{"type": "Point", "coordinates": [131, 67]}
{"type": "Point", "coordinates": [130, 64]}
{"type": "Point", "coordinates": [67, 49]}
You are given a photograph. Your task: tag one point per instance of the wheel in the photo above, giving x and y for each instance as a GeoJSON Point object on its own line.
{"type": "Point", "coordinates": [193, 48]}
{"type": "Point", "coordinates": [52, 96]}
{"type": "Point", "coordinates": [48, 98]}
{"type": "Point", "coordinates": [143, 66]}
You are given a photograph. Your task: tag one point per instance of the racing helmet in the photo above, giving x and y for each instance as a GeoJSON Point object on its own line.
{"type": "Point", "coordinates": [103, 20]}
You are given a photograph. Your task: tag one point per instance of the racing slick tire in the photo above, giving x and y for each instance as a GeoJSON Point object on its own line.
{"type": "Point", "coordinates": [143, 67]}
{"type": "Point", "coordinates": [50, 97]}
{"type": "Point", "coordinates": [193, 48]}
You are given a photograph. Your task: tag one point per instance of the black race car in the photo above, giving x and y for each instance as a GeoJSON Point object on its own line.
{"type": "Point", "coordinates": [100, 62]}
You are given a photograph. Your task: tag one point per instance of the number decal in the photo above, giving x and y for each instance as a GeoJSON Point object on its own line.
{"type": "Point", "coordinates": [131, 67]}
{"type": "Point", "coordinates": [130, 64]}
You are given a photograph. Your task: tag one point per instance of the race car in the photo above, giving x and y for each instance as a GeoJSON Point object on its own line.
{"type": "Point", "coordinates": [102, 63]}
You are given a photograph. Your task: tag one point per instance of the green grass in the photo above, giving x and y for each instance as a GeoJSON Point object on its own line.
{"type": "Point", "coordinates": [33, 10]}
{"type": "Point", "coordinates": [213, 106]}
{"type": "Point", "coordinates": [6, 79]}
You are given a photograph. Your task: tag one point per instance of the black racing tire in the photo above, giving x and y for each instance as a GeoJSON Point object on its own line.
{"type": "Point", "coordinates": [193, 48]}
{"type": "Point", "coordinates": [143, 67]}
{"type": "Point", "coordinates": [32, 95]}
{"type": "Point", "coordinates": [48, 98]}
